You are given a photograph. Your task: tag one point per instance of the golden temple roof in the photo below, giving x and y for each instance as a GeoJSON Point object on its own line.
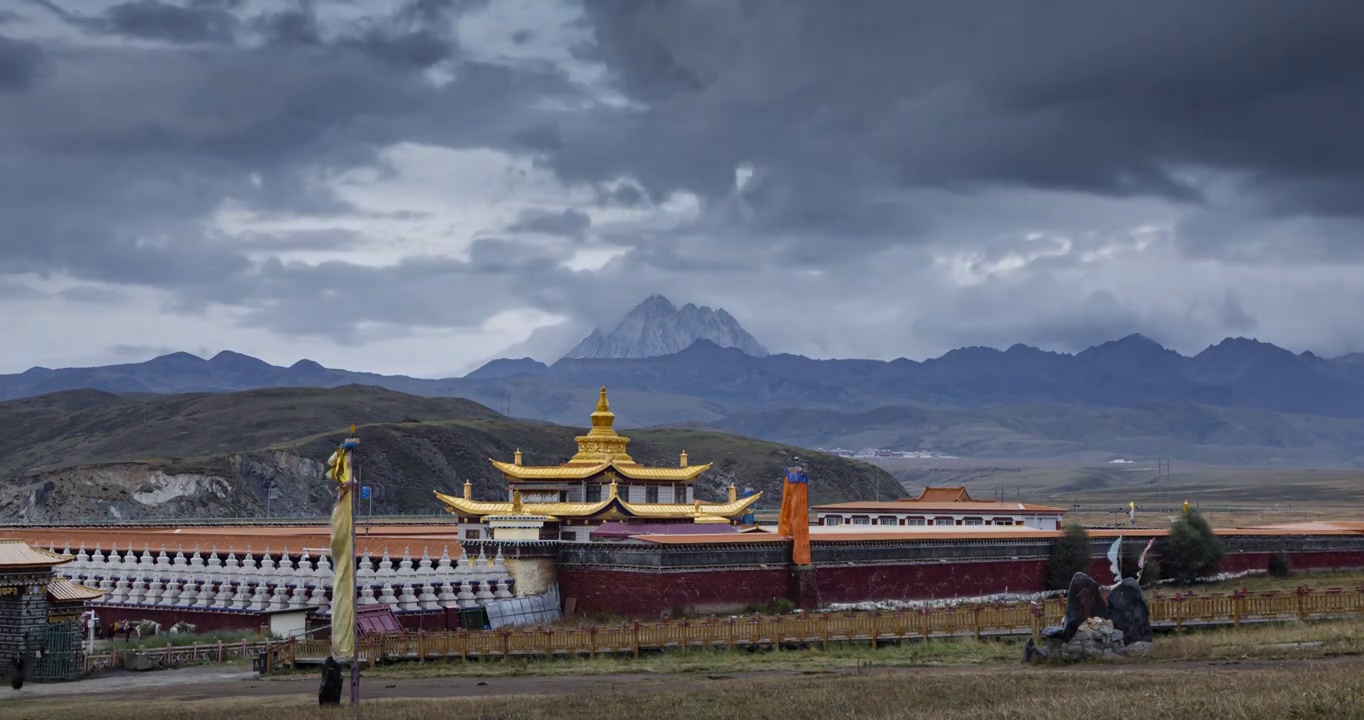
{"type": "Point", "coordinates": [612, 507]}
{"type": "Point", "coordinates": [602, 449]}
{"type": "Point", "coordinates": [63, 590]}
{"type": "Point", "coordinates": [15, 553]}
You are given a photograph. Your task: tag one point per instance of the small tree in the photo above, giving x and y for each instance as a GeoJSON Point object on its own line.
{"type": "Point", "coordinates": [1131, 556]}
{"type": "Point", "coordinates": [1193, 550]}
{"type": "Point", "coordinates": [1280, 565]}
{"type": "Point", "coordinates": [1069, 554]}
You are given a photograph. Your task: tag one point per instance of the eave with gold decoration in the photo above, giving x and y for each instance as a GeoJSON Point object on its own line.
{"type": "Point", "coordinates": [610, 508]}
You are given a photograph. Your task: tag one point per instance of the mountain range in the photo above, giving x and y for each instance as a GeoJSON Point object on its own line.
{"type": "Point", "coordinates": [1238, 401]}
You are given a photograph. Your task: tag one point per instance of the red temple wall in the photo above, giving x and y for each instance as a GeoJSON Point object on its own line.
{"type": "Point", "coordinates": [649, 594]}
{"type": "Point", "coordinates": [204, 621]}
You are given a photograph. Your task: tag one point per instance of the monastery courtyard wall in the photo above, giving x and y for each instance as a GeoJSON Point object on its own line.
{"type": "Point", "coordinates": [425, 576]}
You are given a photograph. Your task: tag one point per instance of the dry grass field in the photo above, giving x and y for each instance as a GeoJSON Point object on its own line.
{"type": "Point", "coordinates": [1295, 689]}
{"type": "Point", "coordinates": [1289, 670]}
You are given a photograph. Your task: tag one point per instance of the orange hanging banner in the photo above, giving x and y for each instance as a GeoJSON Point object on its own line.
{"type": "Point", "coordinates": [795, 513]}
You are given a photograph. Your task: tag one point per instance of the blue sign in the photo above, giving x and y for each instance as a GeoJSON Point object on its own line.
{"type": "Point", "coordinates": [364, 492]}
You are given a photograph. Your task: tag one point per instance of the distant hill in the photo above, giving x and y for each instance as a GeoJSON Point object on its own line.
{"type": "Point", "coordinates": [656, 327]}
{"type": "Point", "coordinates": [97, 455]}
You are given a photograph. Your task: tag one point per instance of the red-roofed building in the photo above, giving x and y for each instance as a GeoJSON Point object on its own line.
{"type": "Point", "coordinates": [939, 507]}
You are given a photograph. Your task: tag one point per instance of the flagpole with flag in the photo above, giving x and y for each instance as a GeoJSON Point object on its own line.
{"type": "Point", "coordinates": [1113, 559]}
{"type": "Point", "coordinates": [341, 469]}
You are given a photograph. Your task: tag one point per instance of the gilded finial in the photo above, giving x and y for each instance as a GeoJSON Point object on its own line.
{"type": "Point", "coordinates": [516, 459]}
{"type": "Point", "coordinates": [468, 490]}
{"type": "Point", "coordinates": [733, 493]}
{"type": "Point", "coordinates": [613, 489]}
{"type": "Point", "coordinates": [602, 404]}
{"type": "Point", "coordinates": [516, 501]}
{"type": "Point", "coordinates": [684, 459]}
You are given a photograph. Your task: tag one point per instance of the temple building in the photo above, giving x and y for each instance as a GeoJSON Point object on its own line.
{"type": "Point", "coordinates": [600, 483]}
{"type": "Point", "coordinates": [935, 508]}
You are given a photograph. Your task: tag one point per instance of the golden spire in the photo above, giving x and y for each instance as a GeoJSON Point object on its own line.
{"type": "Point", "coordinates": [613, 489]}
{"type": "Point", "coordinates": [684, 459]}
{"type": "Point", "coordinates": [468, 490]}
{"type": "Point", "coordinates": [601, 444]}
{"type": "Point", "coordinates": [516, 501]}
{"type": "Point", "coordinates": [733, 493]}
{"type": "Point", "coordinates": [516, 459]}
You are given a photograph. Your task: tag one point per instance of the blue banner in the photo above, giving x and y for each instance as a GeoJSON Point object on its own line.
{"type": "Point", "coordinates": [797, 475]}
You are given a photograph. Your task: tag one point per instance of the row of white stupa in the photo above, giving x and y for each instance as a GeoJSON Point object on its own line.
{"type": "Point", "coordinates": [268, 582]}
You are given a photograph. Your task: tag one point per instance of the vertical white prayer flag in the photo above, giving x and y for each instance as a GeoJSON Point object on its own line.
{"type": "Point", "coordinates": [1113, 558]}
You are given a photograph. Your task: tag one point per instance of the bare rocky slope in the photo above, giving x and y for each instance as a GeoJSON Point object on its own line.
{"type": "Point", "coordinates": [98, 456]}
{"type": "Point", "coordinates": [656, 327]}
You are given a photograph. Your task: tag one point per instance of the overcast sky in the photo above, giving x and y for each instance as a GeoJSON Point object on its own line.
{"type": "Point", "coordinates": [414, 186]}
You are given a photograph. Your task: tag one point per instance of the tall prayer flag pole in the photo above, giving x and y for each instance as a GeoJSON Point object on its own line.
{"type": "Point", "coordinates": [340, 468]}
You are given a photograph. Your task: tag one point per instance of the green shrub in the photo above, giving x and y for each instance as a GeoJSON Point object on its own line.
{"type": "Point", "coordinates": [1070, 554]}
{"type": "Point", "coordinates": [1192, 550]}
{"type": "Point", "coordinates": [1280, 565]}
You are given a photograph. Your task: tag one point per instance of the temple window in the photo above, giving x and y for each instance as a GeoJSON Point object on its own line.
{"type": "Point", "coordinates": [568, 536]}
{"type": "Point", "coordinates": [943, 521]}
{"type": "Point", "coordinates": [975, 521]}
{"type": "Point", "coordinates": [593, 493]}
{"type": "Point", "coordinates": [917, 521]}
{"type": "Point", "coordinates": [887, 520]}
{"type": "Point", "coordinates": [833, 520]}
{"type": "Point", "coordinates": [680, 494]}
{"type": "Point", "coordinates": [651, 494]}
{"type": "Point", "coordinates": [1004, 521]}
{"type": "Point", "coordinates": [861, 520]}
{"type": "Point", "coordinates": [472, 534]}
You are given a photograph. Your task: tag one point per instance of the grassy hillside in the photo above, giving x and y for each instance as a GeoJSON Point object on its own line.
{"type": "Point", "coordinates": [89, 426]}
{"type": "Point", "coordinates": [93, 454]}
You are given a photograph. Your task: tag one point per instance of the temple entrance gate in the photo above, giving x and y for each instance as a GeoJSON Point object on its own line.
{"type": "Point", "coordinates": [53, 652]}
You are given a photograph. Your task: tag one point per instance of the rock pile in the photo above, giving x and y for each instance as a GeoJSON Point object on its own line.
{"type": "Point", "coordinates": [1086, 630]}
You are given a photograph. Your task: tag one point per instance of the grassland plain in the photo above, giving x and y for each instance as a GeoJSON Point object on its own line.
{"type": "Point", "coordinates": [1331, 688]}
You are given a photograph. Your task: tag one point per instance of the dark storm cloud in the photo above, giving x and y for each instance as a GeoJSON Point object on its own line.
{"type": "Point", "coordinates": [122, 196]}
{"type": "Point", "coordinates": [857, 120]}
{"type": "Point", "coordinates": [154, 20]}
{"type": "Point", "coordinates": [21, 63]}
{"type": "Point", "coordinates": [841, 106]}
{"type": "Point", "coordinates": [568, 222]}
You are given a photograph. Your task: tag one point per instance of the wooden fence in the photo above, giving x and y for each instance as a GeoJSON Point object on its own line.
{"type": "Point", "coordinates": [819, 629]}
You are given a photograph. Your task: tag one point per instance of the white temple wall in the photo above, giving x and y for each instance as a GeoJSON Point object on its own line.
{"type": "Point", "coordinates": [276, 581]}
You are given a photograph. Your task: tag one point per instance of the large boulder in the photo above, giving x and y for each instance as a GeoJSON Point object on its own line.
{"type": "Point", "coordinates": [1084, 600]}
{"type": "Point", "coordinates": [1127, 608]}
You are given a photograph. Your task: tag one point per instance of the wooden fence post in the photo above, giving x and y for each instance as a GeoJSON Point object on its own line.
{"type": "Point", "coordinates": [873, 629]}
{"type": "Point", "coordinates": [975, 620]}
{"type": "Point", "coordinates": [634, 640]}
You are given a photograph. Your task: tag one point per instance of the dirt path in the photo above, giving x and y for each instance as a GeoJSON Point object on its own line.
{"type": "Point", "coordinates": [210, 683]}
